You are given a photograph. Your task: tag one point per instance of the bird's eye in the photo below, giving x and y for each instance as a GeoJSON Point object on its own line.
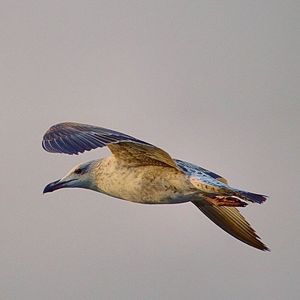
{"type": "Point", "coordinates": [78, 171]}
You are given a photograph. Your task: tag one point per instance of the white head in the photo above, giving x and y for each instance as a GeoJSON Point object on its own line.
{"type": "Point", "coordinates": [80, 176]}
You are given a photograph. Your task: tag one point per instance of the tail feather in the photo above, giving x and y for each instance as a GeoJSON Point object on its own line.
{"type": "Point", "coordinates": [252, 197]}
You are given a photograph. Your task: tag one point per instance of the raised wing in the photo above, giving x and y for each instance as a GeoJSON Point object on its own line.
{"type": "Point", "coordinates": [231, 220]}
{"type": "Point", "coordinates": [74, 138]}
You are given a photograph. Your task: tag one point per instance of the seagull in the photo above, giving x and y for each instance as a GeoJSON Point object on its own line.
{"type": "Point", "coordinates": [143, 173]}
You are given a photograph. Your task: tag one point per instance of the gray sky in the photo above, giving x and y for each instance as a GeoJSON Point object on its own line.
{"type": "Point", "coordinates": [215, 83]}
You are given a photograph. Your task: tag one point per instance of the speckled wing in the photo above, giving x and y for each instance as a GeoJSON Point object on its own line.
{"type": "Point", "coordinates": [232, 221]}
{"type": "Point", "coordinates": [203, 179]}
{"type": "Point", "coordinates": [74, 138]}
{"type": "Point", "coordinates": [135, 154]}
{"type": "Point", "coordinates": [192, 169]}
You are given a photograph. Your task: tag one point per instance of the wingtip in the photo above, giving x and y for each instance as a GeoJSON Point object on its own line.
{"type": "Point", "coordinates": [261, 246]}
{"type": "Point", "coordinates": [265, 248]}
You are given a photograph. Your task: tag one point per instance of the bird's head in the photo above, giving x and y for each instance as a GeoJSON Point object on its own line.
{"type": "Point", "coordinates": [80, 176]}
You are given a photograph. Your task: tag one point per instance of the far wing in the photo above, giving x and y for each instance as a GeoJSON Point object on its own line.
{"type": "Point", "coordinates": [232, 221]}
{"type": "Point", "coordinates": [74, 138]}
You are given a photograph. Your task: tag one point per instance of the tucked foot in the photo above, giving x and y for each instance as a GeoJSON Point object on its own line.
{"type": "Point", "coordinates": [226, 201]}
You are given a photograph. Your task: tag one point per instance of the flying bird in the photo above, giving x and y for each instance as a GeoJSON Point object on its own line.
{"type": "Point", "coordinates": [141, 172]}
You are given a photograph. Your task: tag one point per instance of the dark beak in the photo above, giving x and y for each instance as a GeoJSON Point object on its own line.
{"type": "Point", "coordinates": [53, 186]}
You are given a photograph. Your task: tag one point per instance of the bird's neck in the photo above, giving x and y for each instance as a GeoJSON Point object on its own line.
{"type": "Point", "coordinates": [108, 176]}
{"type": "Point", "coordinates": [98, 173]}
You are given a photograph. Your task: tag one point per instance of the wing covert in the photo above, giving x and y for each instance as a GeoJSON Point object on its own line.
{"type": "Point", "coordinates": [196, 171]}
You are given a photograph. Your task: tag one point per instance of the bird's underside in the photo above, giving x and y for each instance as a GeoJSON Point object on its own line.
{"type": "Point", "coordinates": [140, 172]}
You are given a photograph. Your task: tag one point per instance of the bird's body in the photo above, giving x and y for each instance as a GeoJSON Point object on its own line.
{"type": "Point", "coordinates": [142, 184]}
{"type": "Point", "coordinates": [140, 172]}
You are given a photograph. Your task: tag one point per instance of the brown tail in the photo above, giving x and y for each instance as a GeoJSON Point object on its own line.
{"type": "Point", "coordinates": [231, 220]}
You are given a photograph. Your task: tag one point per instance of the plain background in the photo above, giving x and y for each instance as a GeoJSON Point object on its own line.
{"type": "Point", "coordinates": [215, 83]}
